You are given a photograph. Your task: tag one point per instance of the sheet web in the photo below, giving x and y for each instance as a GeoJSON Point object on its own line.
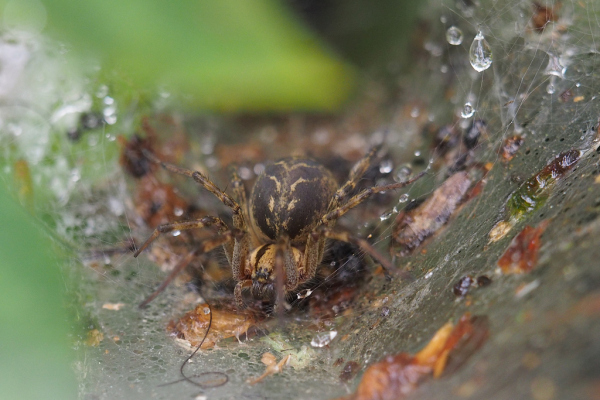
{"type": "Point", "coordinates": [541, 85]}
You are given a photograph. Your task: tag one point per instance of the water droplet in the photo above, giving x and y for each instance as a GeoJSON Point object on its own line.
{"type": "Point", "coordinates": [386, 166]}
{"type": "Point", "coordinates": [321, 137]}
{"type": "Point", "coordinates": [429, 275]}
{"type": "Point", "coordinates": [245, 173]}
{"type": "Point", "coordinates": [75, 175]}
{"type": "Point", "coordinates": [92, 140]}
{"type": "Point", "coordinates": [404, 198]}
{"type": "Point", "coordinates": [110, 119]}
{"type": "Point", "coordinates": [323, 339]}
{"type": "Point", "coordinates": [386, 215]}
{"type": "Point", "coordinates": [550, 89]}
{"type": "Point", "coordinates": [403, 173]}
{"type": "Point", "coordinates": [207, 145]}
{"type": "Point", "coordinates": [259, 168]}
{"type": "Point", "coordinates": [417, 153]}
{"type": "Point", "coordinates": [468, 110]}
{"type": "Point", "coordinates": [480, 53]}
{"type": "Point", "coordinates": [102, 91]}
{"type": "Point", "coordinates": [415, 112]}
{"type": "Point", "coordinates": [206, 310]}
{"type": "Point", "coordinates": [178, 211]}
{"type": "Point", "coordinates": [454, 36]}
{"type": "Point", "coordinates": [176, 233]}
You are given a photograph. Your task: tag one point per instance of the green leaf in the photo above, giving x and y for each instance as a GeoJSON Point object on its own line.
{"type": "Point", "coordinates": [226, 54]}
{"type": "Point", "coordinates": [33, 322]}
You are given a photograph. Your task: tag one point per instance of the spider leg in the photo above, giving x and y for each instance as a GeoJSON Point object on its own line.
{"type": "Point", "coordinates": [237, 292]}
{"type": "Point", "coordinates": [180, 226]}
{"type": "Point", "coordinates": [239, 191]}
{"type": "Point", "coordinates": [204, 247]}
{"type": "Point", "coordinates": [238, 251]}
{"type": "Point", "coordinates": [343, 236]}
{"type": "Point", "coordinates": [362, 196]}
{"type": "Point", "coordinates": [203, 180]}
{"type": "Point", "coordinates": [357, 172]}
{"type": "Point", "coordinates": [313, 254]}
{"type": "Point", "coordinates": [279, 264]}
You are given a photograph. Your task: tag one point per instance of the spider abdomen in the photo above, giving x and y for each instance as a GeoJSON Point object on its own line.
{"type": "Point", "coordinates": [289, 197]}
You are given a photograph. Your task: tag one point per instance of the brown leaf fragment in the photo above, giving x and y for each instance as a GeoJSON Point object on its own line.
{"type": "Point", "coordinates": [113, 306]}
{"type": "Point", "coordinates": [272, 366]}
{"type": "Point", "coordinates": [414, 226]}
{"type": "Point", "coordinates": [396, 376]}
{"type": "Point", "coordinates": [510, 146]}
{"type": "Point", "coordinates": [467, 337]}
{"type": "Point", "coordinates": [225, 324]}
{"type": "Point", "coordinates": [542, 15]}
{"type": "Point", "coordinates": [350, 370]}
{"type": "Point", "coordinates": [521, 255]}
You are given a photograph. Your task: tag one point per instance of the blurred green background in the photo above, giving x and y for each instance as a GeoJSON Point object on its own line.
{"type": "Point", "coordinates": [231, 55]}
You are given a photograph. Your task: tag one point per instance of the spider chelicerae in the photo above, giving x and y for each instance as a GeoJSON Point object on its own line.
{"type": "Point", "coordinates": [278, 237]}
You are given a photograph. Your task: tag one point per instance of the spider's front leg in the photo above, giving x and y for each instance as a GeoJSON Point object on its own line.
{"type": "Point", "coordinates": [237, 292]}
{"type": "Point", "coordinates": [180, 226]}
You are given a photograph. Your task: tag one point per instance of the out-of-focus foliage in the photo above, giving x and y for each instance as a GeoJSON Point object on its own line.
{"type": "Point", "coordinates": [33, 322]}
{"type": "Point", "coordinates": [227, 54]}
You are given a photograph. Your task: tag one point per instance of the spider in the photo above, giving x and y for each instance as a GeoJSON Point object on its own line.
{"type": "Point", "coordinates": [278, 236]}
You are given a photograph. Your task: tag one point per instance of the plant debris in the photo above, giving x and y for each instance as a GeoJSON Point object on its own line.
{"type": "Point", "coordinates": [225, 324]}
{"type": "Point", "coordinates": [542, 15]}
{"type": "Point", "coordinates": [522, 253]}
{"type": "Point", "coordinates": [510, 146]}
{"type": "Point", "coordinates": [464, 284]}
{"type": "Point", "coordinates": [414, 226]}
{"type": "Point", "coordinates": [397, 376]}
{"type": "Point", "coordinates": [534, 192]}
{"type": "Point", "coordinates": [94, 337]}
{"type": "Point", "coordinates": [273, 367]}
{"type": "Point", "coordinates": [461, 288]}
{"type": "Point", "coordinates": [113, 306]}
{"type": "Point", "coordinates": [349, 371]}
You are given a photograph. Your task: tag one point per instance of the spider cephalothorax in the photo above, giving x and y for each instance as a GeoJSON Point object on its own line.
{"type": "Point", "coordinates": [278, 238]}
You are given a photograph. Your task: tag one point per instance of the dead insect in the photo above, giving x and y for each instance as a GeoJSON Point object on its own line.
{"type": "Point", "coordinates": [278, 238]}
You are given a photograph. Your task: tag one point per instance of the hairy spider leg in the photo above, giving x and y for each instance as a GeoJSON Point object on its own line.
{"type": "Point", "coordinates": [238, 217]}
{"type": "Point", "coordinates": [357, 172]}
{"type": "Point", "coordinates": [333, 215]}
{"type": "Point", "coordinates": [238, 251]}
{"type": "Point", "coordinates": [315, 243]}
{"type": "Point", "coordinates": [205, 246]}
{"type": "Point", "coordinates": [313, 254]}
{"type": "Point", "coordinates": [280, 261]}
{"type": "Point", "coordinates": [181, 226]}
{"type": "Point", "coordinates": [237, 292]}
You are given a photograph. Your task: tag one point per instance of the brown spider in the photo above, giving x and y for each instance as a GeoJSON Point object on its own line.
{"type": "Point", "coordinates": [278, 239]}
